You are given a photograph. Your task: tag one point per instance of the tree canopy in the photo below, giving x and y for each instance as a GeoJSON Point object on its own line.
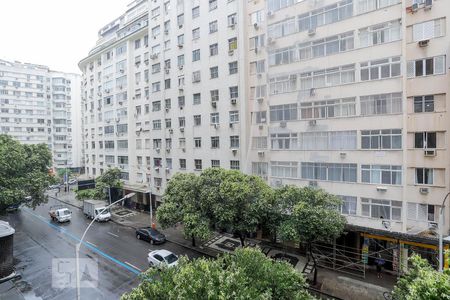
{"type": "Point", "coordinates": [245, 274]}
{"type": "Point", "coordinates": [422, 282]}
{"type": "Point", "coordinates": [110, 178]}
{"type": "Point", "coordinates": [24, 172]}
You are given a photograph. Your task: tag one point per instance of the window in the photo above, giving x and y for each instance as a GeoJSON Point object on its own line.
{"type": "Point", "coordinates": [156, 124]}
{"type": "Point", "coordinates": [381, 104]}
{"type": "Point", "coordinates": [196, 12]}
{"type": "Point", "coordinates": [196, 99]}
{"type": "Point", "coordinates": [155, 12]}
{"type": "Point", "coordinates": [425, 67]}
{"type": "Point", "coordinates": [168, 123]}
{"type": "Point", "coordinates": [197, 120]}
{"type": "Point", "coordinates": [234, 165]}
{"type": "Point", "coordinates": [428, 30]}
{"type": "Point", "coordinates": [371, 5]}
{"type": "Point", "coordinates": [422, 212]}
{"type": "Point", "coordinates": [157, 143]}
{"type": "Point", "coordinates": [156, 105]}
{"type": "Point", "coordinates": [329, 171]}
{"type": "Point", "coordinates": [285, 112]}
{"type": "Point", "coordinates": [382, 209]}
{"type": "Point", "coordinates": [123, 160]}
{"type": "Point", "coordinates": [381, 139]}
{"type": "Point", "coordinates": [156, 68]}
{"type": "Point", "coordinates": [215, 163]}
{"type": "Point", "coordinates": [180, 20]}
{"type": "Point", "coordinates": [283, 169]}
{"type": "Point", "coordinates": [181, 101]}
{"type": "Point", "coordinates": [424, 140]}
{"type": "Point", "coordinates": [196, 76]}
{"type": "Point", "coordinates": [167, 104]}
{"type": "Point", "coordinates": [257, 17]}
{"type": "Point", "coordinates": [180, 39]}
{"type": "Point", "coordinates": [213, 27]}
{"type": "Point", "coordinates": [196, 55]}
{"type": "Point", "coordinates": [212, 4]}
{"type": "Point", "coordinates": [318, 79]}
{"type": "Point", "coordinates": [182, 162]}
{"type": "Point", "coordinates": [380, 69]}
{"type": "Point", "coordinates": [233, 67]}
{"type": "Point", "coordinates": [214, 72]}
{"type": "Point", "coordinates": [424, 176]}
{"type": "Point", "coordinates": [156, 86]}
{"type": "Point", "coordinates": [326, 15]}
{"type": "Point", "coordinates": [215, 144]}
{"type": "Point", "coordinates": [257, 67]}
{"type": "Point", "coordinates": [198, 164]}
{"type": "Point", "coordinates": [214, 95]}
{"type": "Point", "coordinates": [213, 49]}
{"type": "Point", "coordinates": [260, 169]}
{"type": "Point", "coordinates": [234, 92]}
{"type": "Point", "coordinates": [283, 28]}
{"type": "Point", "coordinates": [167, 84]}
{"type": "Point", "coordinates": [234, 141]}
{"type": "Point", "coordinates": [232, 20]}
{"type": "Point", "coordinates": [259, 142]}
{"type": "Point", "coordinates": [197, 142]}
{"type": "Point", "coordinates": [381, 174]}
{"type": "Point", "coordinates": [380, 33]}
{"type": "Point", "coordinates": [195, 33]}
{"type": "Point", "coordinates": [274, 5]}
{"type": "Point", "coordinates": [328, 109]}
{"type": "Point", "coordinates": [137, 44]}
{"type": "Point", "coordinates": [257, 42]}
{"type": "Point", "coordinates": [260, 117]}
{"type": "Point", "coordinates": [181, 122]}
{"type": "Point", "coordinates": [156, 31]}
{"type": "Point", "coordinates": [348, 206]}
{"type": "Point", "coordinates": [234, 116]}
{"type": "Point", "coordinates": [424, 104]}
{"type": "Point", "coordinates": [214, 118]}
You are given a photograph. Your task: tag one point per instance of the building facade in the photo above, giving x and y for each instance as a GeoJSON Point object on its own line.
{"type": "Point", "coordinates": [39, 105]}
{"type": "Point", "coordinates": [349, 96]}
{"type": "Point", "coordinates": [354, 100]}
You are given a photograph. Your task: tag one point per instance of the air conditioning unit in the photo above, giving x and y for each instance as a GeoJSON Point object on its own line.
{"type": "Point", "coordinates": [270, 40]}
{"type": "Point", "coordinates": [381, 188]}
{"type": "Point", "coordinates": [167, 110]}
{"type": "Point", "coordinates": [234, 151]}
{"type": "Point", "coordinates": [260, 100]}
{"type": "Point", "coordinates": [166, 32]}
{"type": "Point", "coordinates": [261, 153]}
{"type": "Point", "coordinates": [181, 129]}
{"type": "Point", "coordinates": [312, 92]}
{"type": "Point", "coordinates": [230, 52]}
{"type": "Point", "coordinates": [429, 152]}
{"type": "Point", "coordinates": [180, 46]}
{"type": "Point", "coordinates": [146, 61]}
{"type": "Point", "coordinates": [424, 190]}
{"type": "Point", "coordinates": [270, 13]}
{"type": "Point", "coordinates": [256, 25]}
{"type": "Point", "coordinates": [107, 121]}
{"type": "Point", "coordinates": [415, 7]}
{"type": "Point", "coordinates": [120, 102]}
{"type": "Point", "coordinates": [180, 67]}
{"type": "Point", "coordinates": [261, 127]}
{"type": "Point", "coordinates": [168, 150]}
{"type": "Point", "coordinates": [157, 150]}
{"type": "Point", "coordinates": [428, 4]}
{"type": "Point", "coordinates": [121, 70]}
{"type": "Point", "coordinates": [312, 122]}
{"type": "Point", "coordinates": [433, 225]}
{"type": "Point", "coordinates": [233, 101]}
{"type": "Point", "coordinates": [170, 130]}
{"type": "Point", "coordinates": [167, 170]}
{"type": "Point", "coordinates": [312, 183]}
{"type": "Point", "coordinates": [283, 124]}
{"type": "Point", "coordinates": [216, 125]}
{"type": "Point", "coordinates": [312, 31]}
{"type": "Point", "coordinates": [107, 90]}
{"type": "Point", "coordinates": [423, 43]}
{"type": "Point", "coordinates": [214, 104]}
{"type": "Point", "coordinates": [167, 71]}
{"type": "Point", "coordinates": [183, 149]}
{"type": "Point", "coordinates": [157, 169]}
{"type": "Point", "coordinates": [154, 56]}
{"type": "Point", "coordinates": [277, 182]}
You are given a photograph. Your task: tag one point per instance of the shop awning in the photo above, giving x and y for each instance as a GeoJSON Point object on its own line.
{"type": "Point", "coordinates": [140, 188]}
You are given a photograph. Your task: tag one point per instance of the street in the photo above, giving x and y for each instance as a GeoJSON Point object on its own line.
{"type": "Point", "coordinates": [114, 248]}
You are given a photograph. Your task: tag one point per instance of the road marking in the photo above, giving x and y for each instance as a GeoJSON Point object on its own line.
{"type": "Point", "coordinates": [77, 239]}
{"type": "Point", "coordinates": [91, 243]}
{"type": "Point", "coordinates": [133, 266]}
{"type": "Point", "coordinates": [113, 234]}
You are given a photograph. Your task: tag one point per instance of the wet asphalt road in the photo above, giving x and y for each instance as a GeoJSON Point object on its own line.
{"type": "Point", "coordinates": [120, 257]}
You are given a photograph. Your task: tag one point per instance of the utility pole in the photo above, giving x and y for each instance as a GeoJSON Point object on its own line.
{"type": "Point", "coordinates": [441, 229]}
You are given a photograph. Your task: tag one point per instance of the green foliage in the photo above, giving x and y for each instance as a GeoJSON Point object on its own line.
{"type": "Point", "coordinates": [246, 274]}
{"type": "Point", "coordinates": [181, 204]}
{"type": "Point", "coordinates": [86, 194]}
{"type": "Point", "coordinates": [422, 282]}
{"type": "Point", "coordinates": [110, 178]}
{"type": "Point", "coordinates": [60, 173]}
{"type": "Point", "coordinates": [24, 171]}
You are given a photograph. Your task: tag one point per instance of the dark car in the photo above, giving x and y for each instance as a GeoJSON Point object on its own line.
{"type": "Point", "coordinates": [151, 235]}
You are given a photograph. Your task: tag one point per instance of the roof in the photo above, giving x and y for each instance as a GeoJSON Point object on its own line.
{"type": "Point", "coordinates": [161, 252]}
{"type": "Point", "coordinates": [6, 229]}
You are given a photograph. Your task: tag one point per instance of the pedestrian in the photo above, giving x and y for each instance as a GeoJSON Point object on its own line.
{"type": "Point", "coordinates": [380, 263]}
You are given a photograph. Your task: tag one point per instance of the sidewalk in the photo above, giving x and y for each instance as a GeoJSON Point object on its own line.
{"type": "Point", "coordinates": [335, 283]}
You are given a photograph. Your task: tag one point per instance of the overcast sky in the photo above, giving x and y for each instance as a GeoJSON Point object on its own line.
{"type": "Point", "coordinates": [56, 33]}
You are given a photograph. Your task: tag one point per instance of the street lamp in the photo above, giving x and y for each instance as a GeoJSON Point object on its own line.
{"type": "Point", "coordinates": [441, 227]}
{"type": "Point", "coordinates": [78, 246]}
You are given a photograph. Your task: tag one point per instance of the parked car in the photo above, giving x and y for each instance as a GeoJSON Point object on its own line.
{"type": "Point", "coordinates": [96, 209]}
{"type": "Point", "coordinates": [54, 186]}
{"type": "Point", "coordinates": [162, 258]}
{"type": "Point", "coordinates": [151, 235]}
{"type": "Point", "coordinates": [72, 181]}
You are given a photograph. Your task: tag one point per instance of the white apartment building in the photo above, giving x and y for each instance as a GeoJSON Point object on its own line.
{"type": "Point", "coordinates": [163, 93]}
{"type": "Point", "coordinates": [39, 105]}
{"type": "Point", "coordinates": [353, 99]}
{"type": "Point", "coordinates": [346, 95]}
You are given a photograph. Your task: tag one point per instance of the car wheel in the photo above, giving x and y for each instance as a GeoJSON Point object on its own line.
{"type": "Point", "coordinates": [138, 236]}
{"type": "Point", "coordinates": [152, 242]}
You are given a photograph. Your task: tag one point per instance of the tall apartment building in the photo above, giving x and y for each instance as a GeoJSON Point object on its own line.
{"type": "Point", "coordinates": [163, 93]}
{"type": "Point", "coordinates": [39, 105]}
{"type": "Point", "coordinates": [354, 100]}
{"type": "Point", "coordinates": [346, 95]}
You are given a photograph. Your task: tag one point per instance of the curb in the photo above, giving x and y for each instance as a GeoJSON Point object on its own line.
{"type": "Point", "coordinates": [66, 202]}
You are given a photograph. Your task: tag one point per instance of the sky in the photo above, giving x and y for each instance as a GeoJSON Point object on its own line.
{"type": "Point", "coordinates": [55, 33]}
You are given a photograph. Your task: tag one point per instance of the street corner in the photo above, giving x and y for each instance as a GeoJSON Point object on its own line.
{"type": "Point", "coordinates": [64, 273]}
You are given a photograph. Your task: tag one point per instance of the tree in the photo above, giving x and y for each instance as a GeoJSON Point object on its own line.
{"type": "Point", "coordinates": [422, 282]}
{"type": "Point", "coordinates": [245, 274]}
{"type": "Point", "coordinates": [62, 172]}
{"type": "Point", "coordinates": [238, 201]}
{"type": "Point", "coordinates": [316, 218]}
{"type": "Point", "coordinates": [24, 172]}
{"type": "Point", "coordinates": [109, 179]}
{"type": "Point", "coordinates": [181, 204]}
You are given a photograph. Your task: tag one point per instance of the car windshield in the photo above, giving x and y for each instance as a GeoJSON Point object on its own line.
{"type": "Point", "coordinates": [104, 212]}
{"type": "Point", "coordinates": [153, 232]}
{"type": "Point", "coordinates": [171, 258]}
{"type": "Point", "coordinates": [66, 212]}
